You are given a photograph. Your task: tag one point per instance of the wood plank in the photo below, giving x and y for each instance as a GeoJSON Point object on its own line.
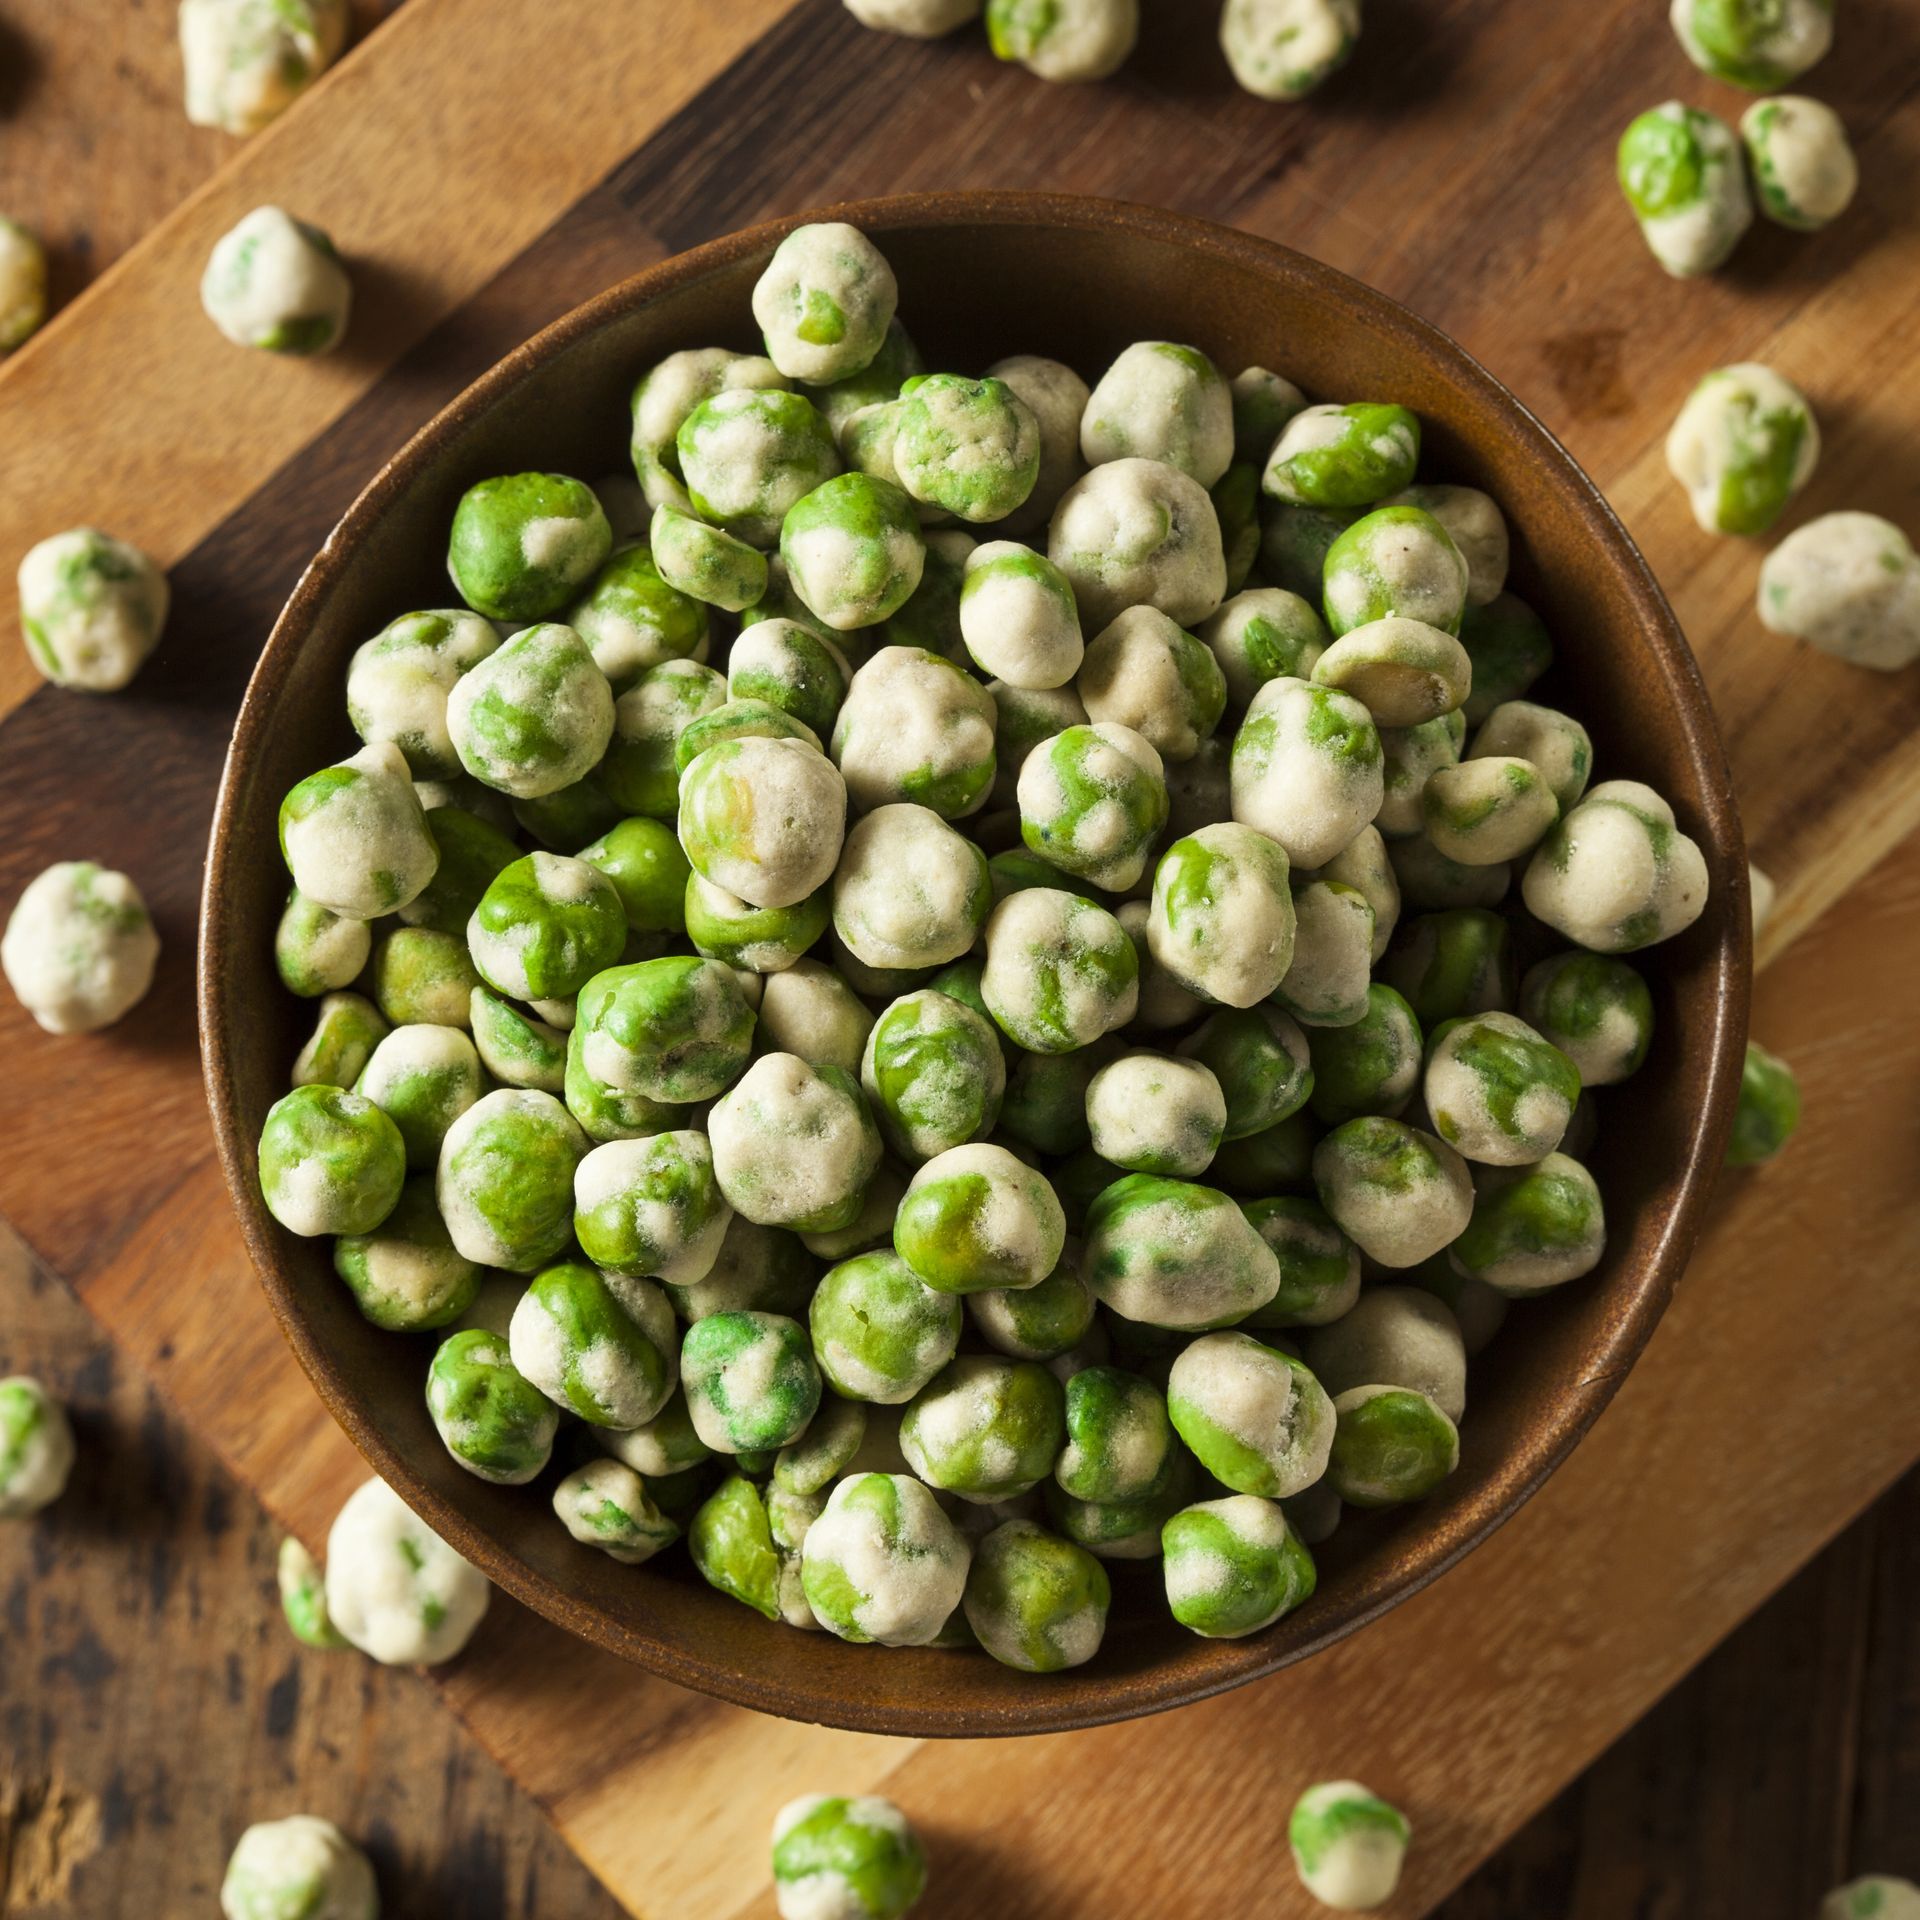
{"type": "Point", "coordinates": [152, 1702]}
{"type": "Point", "coordinates": [130, 399]}
{"type": "Point", "coordinates": [819, 110]}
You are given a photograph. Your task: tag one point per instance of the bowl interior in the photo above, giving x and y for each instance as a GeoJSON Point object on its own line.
{"type": "Point", "coordinates": [983, 276]}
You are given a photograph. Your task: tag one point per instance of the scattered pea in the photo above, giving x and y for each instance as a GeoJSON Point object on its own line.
{"type": "Point", "coordinates": [247, 60]}
{"type": "Point", "coordinates": [1849, 584]}
{"type": "Point", "coordinates": [79, 949]}
{"type": "Point", "coordinates": [277, 284]}
{"type": "Point", "coordinates": [1284, 49]}
{"type": "Point", "coordinates": [1769, 1109]}
{"type": "Point", "coordinates": [36, 1447]}
{"type": "Point", "coordinates": [837, 1858]}
{"type": "Point", "coordinates": [1681, 170]}
{"type": "Point", "coordinates": [92, 609]}
{"type": "Point", "coordinates": [1804, 172]}
{"type": "Point", "coordinates": [1348, 1845]}
{"type": "Point", "coordinates": [1744, 443]}
{"type": "Point", "coordinates": [299, 1865]}
{"type": "Point", "coordinates": [395, 1589]}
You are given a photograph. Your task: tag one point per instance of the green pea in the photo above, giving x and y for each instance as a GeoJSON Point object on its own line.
{"type": "Point", "coordinates": [472, 852]}
{"type": "Point", "coordinates": [1390, 1445]}
{"type": "Point", "coordinates": [607, 1505]}
{"type": "Point", "coordinates": [1233, 1566]}
{"type": "Point", "coordinates": [641, 771]}
{"type": "Point", "coordinates": [748, 454]}
{"type": "Point", "coordinates": [811, 1464]}
{"type": "Point", "coordinates": [1769, 1109]}
{"type": "Point", "coordinates": [1036, 1602]}
{"type": "Point", "coordinates": [1508, 645]}
{"type": "Point", "coordinates": [1449, 964]}
{"type": "Point", "coordinates": [781, 663]}
{"type": "Point", "coordinates": [632, 619]}
{"type": "Point", "coordinates": [1093, 800]}
{"type": "Point", "coordinates": [1265, 633]}
{"type": "Point", "coordinates": [750, 1380]}
{"type": "Point", "coordinates": [970, 446]}
{"type": "Point", "coordinates": [1533, 1227]}
{"type": "Point", "coordinates": [1035, 1323]}
{"type": "Point", "coordinates": [1174, 1253]}
{"type": "Point", "coordinates": [675, 1030]}
{"type": "Point", "coordinates": [651, 1207]}
{"type": "Point", "coordinates": [1120, 1445]}
{"type": "Point", "coordinates": [1682, 172]}
{"type": "Point", "coordinates": [316, 950]}
{"type": "Point", "coordinates": [303, 1598]}
{"type": "Point", "coordinates": [985, 1428]}
{"type": "Point", "coordinates": [1254, 1417]}
{"type": "Point", "coordinates": [935, 1073]}
{"type": "Point", "coordinates": [1395, 561]}
{"type": "Point", "coordinates": [649, 871]}
{"type": "Point", "coordinates": [976, 1218]}
{"type": "Point", "coordinates": [1343, 456]}
{"type": "Point", "coordinates": [1319, 1265]}
{"type": "Point", "coordinates": [493, 1420]}
{"type": "Point", "coordinates": [854, 1859]}
{"type": "Point", "coordinates": [1046, 1099]}
{"type": "Point", "coordinates": [347, 1030]}
{"type": "Point", "coordinates": [523, 544]}
{"type": "Point", "coordinates": [1278, 1159]}
{"type": "Point", "coordinates": [505, 1179]}
{"type": "Point", "coordinates": [605, 1112]}
{"type": "Point", "coordinates": [330, 1162]}
{"type": "Point", "coordinates": [732, 1546]}
{"type": "Point", "coordinates": [1497, 1090]}
{"type": "Point", "coordinates": [423, 1078]}
{"type": "Point", "coordinates": [879, 1332]}
{"type": "Point", "coordinates": [595, 1343]}
{"type": "Point", "coordinates": [1261, 1059]}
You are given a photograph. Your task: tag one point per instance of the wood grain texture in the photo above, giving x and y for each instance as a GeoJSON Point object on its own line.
{"type": "Point", "coordinates": [1529, 259]}
{"type": "Point", "coordinates": [131, 398]}
{"type": "Point", "coordinates": [152, 1702]}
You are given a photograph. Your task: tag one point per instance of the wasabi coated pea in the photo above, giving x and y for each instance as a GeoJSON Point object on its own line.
{"type": "Point", "coordinates": [79, 949]}
{"type": "Point", "coordinates": [1326, 981]}
{"type": "Point", "coordinates": [703, 563]}
{"type": "Point", "coordinates": [1064, 40]}
{"type": "Point", "coordinates": [1596, 1011]}
{"type": "Point", "coordinates": [91, 609]}
{"type": "Point", "coordinates": [1759, 44]}
{"type": "Point", "coordinates": [977, 1218]}
{"type": "Point", "coordinates": [883, 1563]}
{"type": "Point", "coordinates": [1682, 173]}
{"type": "Point", "coordinates": [545, 926]}
{"type": "Point", "coordinates": [505, 1179]}
{"type": "Point", "coordinates": [916, 728]}
{"type": "Point", "coordinates": [879, 1332]}
{"type": "Point", "coordinates": [934, 1073]}
{"type": "Point", "coordinates": [491, 1418]}
{"type": "Point", "coordinates": [1743, 445]}
{"type": "Point", "coordinates": [1395, 561]}
{"type": "Point", "coordinates": [651, 1207]}
{"type": "Point", "coordinates": [1139, 533]}
{"type": "Point", "coordinates": [246, 60]}
{"type": "Point", "coordinates": [632, 619]}
{"type": "Point", "coordinates": [1370, 1067]}
{"type": "Point", "coordinates": [276, 283]}
{"type": "Point", "coordinates": [807, 1009]}
{"type": "Point", "coordinates": [1263, 403]}
{"type": "Point", "coordinates": [649, 872]}
{"type": "Point", "coordinates": [398, 682]}
{"type": "Point", "coordinates": [853, 550]}
{"type": "Point", "coordinates": [1295, 541]}
{"type": "Point", "coordinates": [1343, 456]}
{"type": "Point", "coordinates": [1284, 49]}
{"type": "Point", "coordinates": [1319, 1265]}
{"type": "Point", "coordinates": [423, 977]}
{"type": "Point", "coordinates": [1348, 1845]}
{"type": "Point", "coordinates": [23, 284]}
{"type": "Point", "coordinates": [667, 393]}
{"type": "Point", "coordinates": [330, 1162]}
{"type": "Point", "coordinates": [1533, 1228]}
{"type": "Point", "coordinates": [1258, 1056]}
{"type": "Point", "coordinates": [1411, 756]}
{"type": "Point", "coordinates": [859, 1858]}
{"type": "Point", "coordinates": [780, 662]}
{"type": "Point", "coordinates": [1498, 1091]}
{"type": "Point", "coordinates": [750, 1380]}
{"type": "Point", "coordinates": [1236, 505]}
{"type": "Point", "coordinates": [1507, 643]}
{"type": "Point", "coordinates": [1804, 172]}
{"type": "Point", "coordinates": [606, 1505]}
{"type": "Point", "coordinates": [880, 380]}
{"type": "Point", "coordinates": [674, 1030]}
{"type": "Point", "coordinates": [1264, 634]}
{"type": "Point", "coordinates": [1876, 1897]}
{"type": "Point", "coordinates": [1233, 1566]}
{"type": "Point", "coordinates": [1173, 1253]}
{"type": "Point", "coordinates": [757, 1269]}
{"type": "Point", "coordinates": [871, 1225]}
{"type": "Point", "coordinates": [1769, 1109]}
{"type": "Point", "coordinates": [824, 302]}
{"type": "Point", "coordinates": [317, 951]}
{"type": "Point", "coordinates": [406, 1274]}
{"type": "Point", "coordinates": [1474, 523]}
{"type": "Point", "coordinates": [909, 892]}
{"type": "Point", "coordinates": [1019, 618]}
{"type": "Point", "coordinates": [1144, 671]}
{"type": "Point", "coordinates": [1393, 1337]}
{"type": "Point", "coordinates": [763, 940]}
{"type": "Point", "coordinates": [1119, 1441]}
{"type": "Point", "coordinates": [1278, 1159]}
{"type": "Point", "coordinates": [534, 717]}
{"type": "Point", "coordinates": [971, 447]}
{"type": "Point", "coordinates": [1046, 1101]}
{"type": "Point", "coordinates": [1092, 801]}
{"type": "Point", "coordinates": [1390, 1445]}
{"type": "Point", "coordinates": [748, 454]}
{"type": "Point", "coordinates": [1617, 874]}
{"type": "Point", "coordinates": [763, 818]}
{"type": "Point", "coordinates": [641, 772]}
{"type": "Point", "coordinates": [1363, 865]}
{"type": "Point", "coordinates": [1399, 1194]}
{"type": "Point", "coordinates": [1307, 768]}
{"type": "Point", "coordinates": [1487, 810]}
{"type": "Point", "coordinates": [395, 1589]}
{"type": "Point", "coordinates": [1452, 963]}
{"type": "Point", "coordinates": [1060, 971]}
{"type": "Point", "coordinates": [1161, 401]}
{"type": "Point", "coordinates": [1403, 671]}
{"type": "Point", "coordinates": [1058, 399]}
{"type": "Point", "coordinates": [303, 1597]}
{"type": "Point", "coordinates": [300, 1866]}
{"type": "Point", "coordinates": [1039, 1322]}
{"type": "Point", "coordinates": [794, 1144]}
{"type": "Point", "coordinates": [1036, 1602]}
{"type": "Point", "coordinates": [524, 544]}
{"type": "Point", "coordinates": [833, 1440]}
{"type": "Point", "coordinates": [1554, 744]}
{"type": "Point", "coordinates": [985, 1428]}
{"type": "Point", "coordinates": [423, 1078]}
{"type": "Point", "coordinates": [1257, 1420]}
{"type": "Point", "coordinates": [36, 1447]}
{"type": "Point", "coordinates": [1151, 1113]}
{"type": "Point", "coordinates": [731, 1542]}
{"type": "Point", "coordinates": [1849, 584]}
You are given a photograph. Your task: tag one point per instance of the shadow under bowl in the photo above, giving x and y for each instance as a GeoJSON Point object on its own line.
{"type": "Point", "coordinates": [983, 275]}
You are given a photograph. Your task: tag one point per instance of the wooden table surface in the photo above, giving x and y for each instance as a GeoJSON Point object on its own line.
{"type": "Point", "coordinates": [817, 110]}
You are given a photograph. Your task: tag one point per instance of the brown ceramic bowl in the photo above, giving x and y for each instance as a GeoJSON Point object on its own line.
{"type": "Point", "coordinates": [983, 275]}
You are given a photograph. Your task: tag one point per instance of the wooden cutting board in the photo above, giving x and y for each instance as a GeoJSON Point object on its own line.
{"type": "Point", "coordinates": [1464, 165]}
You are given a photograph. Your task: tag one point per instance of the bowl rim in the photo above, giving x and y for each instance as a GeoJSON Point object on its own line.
{"type": "Point", "coordinates": [1097, 1699]}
